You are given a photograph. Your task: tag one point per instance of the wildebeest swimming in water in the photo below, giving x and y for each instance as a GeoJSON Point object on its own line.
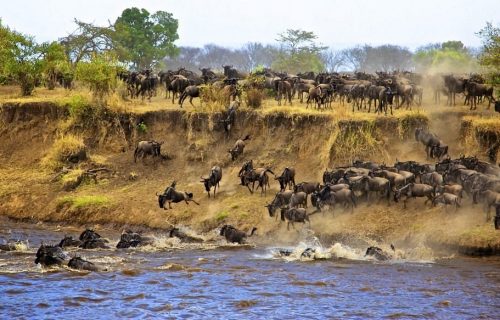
{"type": "Point", "coordinates": [234, 235]}
{"type": "Point", "coordinates": [80, 264]}
{"type": "Point", "coordinates": [379, 254]}
{"type": "Point", "coordinates": [92, 240]}
{"type": "Point", "coordinates": [171, 195]}
{"type": "Point", "coordinates": [68, 241]}
{"type": "Point", "coordinates": [50, 255]}
{"type": "Point", "coordinates": [176, 232]}
{"type": "Point", "coordinates": [132, 239]}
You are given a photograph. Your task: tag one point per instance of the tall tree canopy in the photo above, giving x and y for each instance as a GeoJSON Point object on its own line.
{"type": "Point", "coordinates": [450, 56]}
{"type": "Point", "coordinates": [299, 52]}
{"type": "Point", "coordinates": [143, 39]}
{"type": "Point", "coordinates": [490, 57]}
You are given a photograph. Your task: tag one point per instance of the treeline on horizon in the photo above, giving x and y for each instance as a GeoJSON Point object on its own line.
{"type": "Point", "coordinates": [139, 40]}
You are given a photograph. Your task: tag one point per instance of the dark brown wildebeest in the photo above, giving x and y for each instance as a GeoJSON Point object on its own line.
{"type": "Point", "coordinates": [192, 92]}
{"type": "Point", "coordinates": [413, 190]}
{"type": "Point", "coordinates": [50, 255]}
{"type": "Point", "coordinates": [171, 195]}
{"type": "Point", "coordinates": [284, 90]}
{"type": "Point", "coordinates": [453, 85]}
{"type": "Point", "coordinates": [428, 139]}
{"type": "Point", "coordinates": [234, 235]}
{"type": "Point", "coordinates": [446, 199]}
{"type": "Point", "coordinates": [292, 215]}
{"type": "Point", "coordinates": [281, 199]}
{"type": "Point", "coordinates": [213, 179]}
{"type": "Point", "coordinates": [488, 198]}
{"type": "Point", "coordinates": [238, 147]}
{"type": "Point", "coordinates": [80, 264]}
{"type": "Point", "coordinates": [474, 91]}
{"type": "Point", "coordinates": [287, 178]}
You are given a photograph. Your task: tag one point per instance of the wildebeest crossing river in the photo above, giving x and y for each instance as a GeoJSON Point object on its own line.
{"type": "Point", "coordinates": [212, 281]}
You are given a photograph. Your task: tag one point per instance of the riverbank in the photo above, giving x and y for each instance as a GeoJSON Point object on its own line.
{"type": "Point", "coordinates": [37, 185]}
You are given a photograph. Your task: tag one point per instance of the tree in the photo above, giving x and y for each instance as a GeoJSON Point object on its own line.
{"type": "Point", "coordinates": [99, 74]}
{"type": "Point", "coordinates": [354, 58]}
{"type": "Point", "coordinates": [21, 59]}
{"type": "Point", "coordinates": [143, 39]}
{"type": "Point", "coordinates": [450, 56]}
{"type": "Point", "coordinates": [333, 60]}
{"type": "Point", "coordinates": [54, 63]}
{"type": "Point", "coordinates": [490, 57]}
{"type": "Point", "coordinates": [86, 41]}
{"type": "Point", "coordinates": [298, 52]}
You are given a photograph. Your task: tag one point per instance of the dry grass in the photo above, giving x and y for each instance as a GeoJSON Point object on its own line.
{"type": "Point", "coordinates": [78, 202]}
{"type": "Point", "coordinates": [62, 148]}
{"type": "Point", "coordinates": [480, 132]}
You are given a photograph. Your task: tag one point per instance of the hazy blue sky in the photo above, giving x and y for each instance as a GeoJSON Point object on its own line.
{"type": "Point", "coordinates": [337, 23]}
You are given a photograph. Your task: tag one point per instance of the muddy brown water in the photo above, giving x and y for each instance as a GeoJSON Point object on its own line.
{"type": "Point", "coordinates": [216, 280]}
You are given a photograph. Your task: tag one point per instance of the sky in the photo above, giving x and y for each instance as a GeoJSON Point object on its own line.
{"type": "Point", "coordinates": [337, 23]}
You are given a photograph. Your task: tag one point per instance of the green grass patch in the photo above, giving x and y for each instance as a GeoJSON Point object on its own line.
{"type": "Point", "coordinates": [222, 215]}
{"type": "Point", "coordinates": [76, 202]}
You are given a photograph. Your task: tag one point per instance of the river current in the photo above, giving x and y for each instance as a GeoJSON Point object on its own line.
{"type": "Point", "coordinates": [219, 281]}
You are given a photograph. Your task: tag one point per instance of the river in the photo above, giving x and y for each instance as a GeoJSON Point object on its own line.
{"type": "Point", "coordinates": [171, 280]}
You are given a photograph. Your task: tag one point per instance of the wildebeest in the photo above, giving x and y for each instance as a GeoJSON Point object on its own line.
{"type": "Point", "coordinates": [447, 199]}
{"type": "Point", "coordinates": [145, 148]}
{"type": "Point", "coordinates": [92, 240]}
{"type": "Point", "coordinates": [234, 235]}
{"type": "Point", "coordinates": [331, 198]}
{"type": "Point", "coordinates": [474, 91]}
{"type": "Point", "coordinates": [171, 195]}
{"type": "Point", "coordinates": [68, 241]}
{"type": "Point", "coordinates": [248, 174]}
{"type": "Point", "coordinates": [132, 239]}
{"type": "Point", "coordinates": [192, 92]}
{"type": "Point", "coordinates": [228, 122]}
{"type": "Point", "coordinates": [292, 215]}
{"type": "Point", "coordinates": [488, 198]}
{"type": "Point", "coordinates": [454, 85]}
{"type": "Point", "coordinates": [80, 264]}
{"type": "Point", "coordinates": [307, 187]}
{"type": "Point", "coordinates": [50, 255]}
{"type": "Point", "coordinates": [429, 140]}
{"type": "Point", "coordinates": [213, 179]}
{"type": "Point", "coordinates": [281, 199]}
{"type": "Point", "coordinates": [238, 147]}
{"type": "Point", "coordinates": [413, 190]}
{"type": "Point", "coordinates": [176, 232]}
{"type": "Point", "coordinates": [287, 178]}
{"type": "Point", "coordinates": [378, 253]}
{"type": "Point", "coordinates": [284, 90]}
{"type": "Point", "coordinates": [379, 185]}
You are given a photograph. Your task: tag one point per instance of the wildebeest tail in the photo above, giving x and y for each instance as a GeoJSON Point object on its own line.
{"type": "Point", "coordinates": [247, 137]}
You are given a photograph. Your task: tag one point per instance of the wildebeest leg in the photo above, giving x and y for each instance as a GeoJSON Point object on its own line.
{"type": "Point", "coordinates": [191, 101]}
{"type": "Point", "coordinates": [170, 205]}
{"type": "Point", "coordinates": [195, 202]}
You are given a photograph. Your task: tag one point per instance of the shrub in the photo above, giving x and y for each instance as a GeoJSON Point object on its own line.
{"type": "Point", "coordinates": [254, 97]}
{"type": "Point", "coordinates": [68, 148]}
{"type": "Point", "coordinates": [99, 74]}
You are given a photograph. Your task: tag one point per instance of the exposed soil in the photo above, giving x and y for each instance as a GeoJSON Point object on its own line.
{"type": "Point", "coordinates": [194, 142]}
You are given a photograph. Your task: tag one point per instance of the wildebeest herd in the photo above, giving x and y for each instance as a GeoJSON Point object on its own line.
{"type": "Point", "coordinates": [444, 182]}
{"type": "Point", "coordinates": [360, 89]}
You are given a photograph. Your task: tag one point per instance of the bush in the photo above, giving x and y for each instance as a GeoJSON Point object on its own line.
{"type": "Point", "coordinates": [99, 74]}
{"type": "Point", "coordinates": [68, 148]}
{"type": "Point", "coordinates": [254, 97]}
